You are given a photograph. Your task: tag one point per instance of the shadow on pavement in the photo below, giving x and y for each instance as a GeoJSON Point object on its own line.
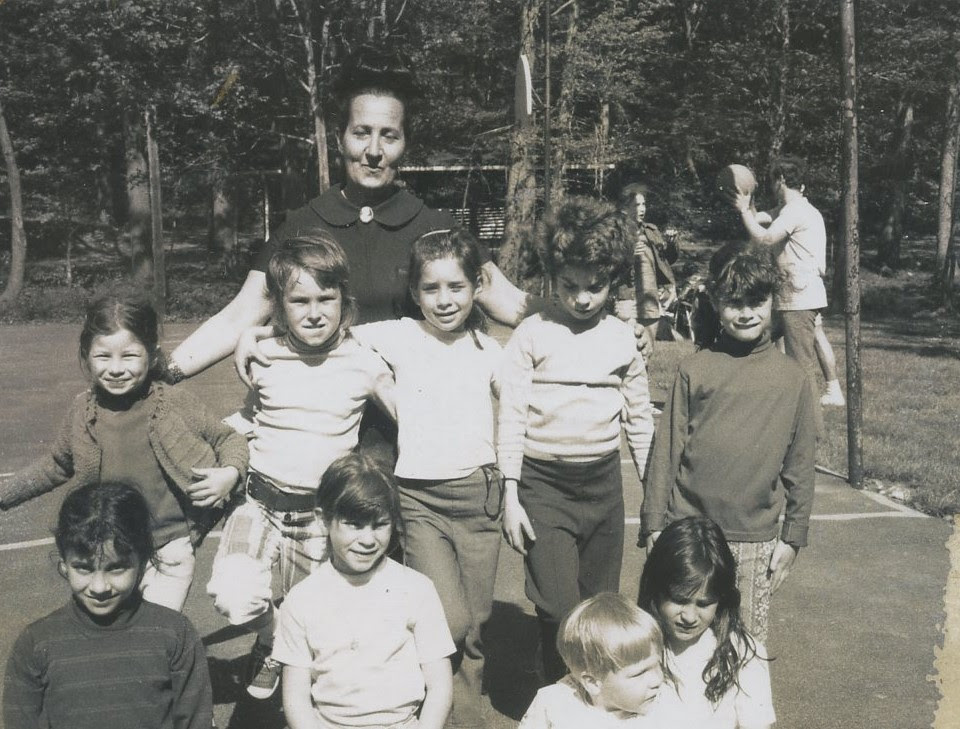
{"type": "Point", "coordinates": [248, 713]}
{"type": "Point", "coordinates": [511, 641]}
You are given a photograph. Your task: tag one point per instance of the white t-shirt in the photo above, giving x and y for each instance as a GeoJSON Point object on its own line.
{"type": "Point", "coordinates": [443, 395]}
{"type": "Point", "coordinates": [803, 257]}
{"type": "Point", "coordinates": [364, 644]}
{"type": "Point", "coordinates": [310, 407]}
{"type": "Point", "coordinates": [563, 706]}
{"type": "Point", "coordinates": [686, 705]}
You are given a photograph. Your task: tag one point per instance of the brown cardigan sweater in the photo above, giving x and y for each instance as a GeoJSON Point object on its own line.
{"type": "Point", "coordinates": [183, 435]}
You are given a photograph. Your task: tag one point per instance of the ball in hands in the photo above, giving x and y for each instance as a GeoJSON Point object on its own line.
{"type": "Point", "coordinates": [734, 179]}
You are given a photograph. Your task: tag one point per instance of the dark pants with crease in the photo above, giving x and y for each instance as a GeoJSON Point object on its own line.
{"type": "Point", "coordinates": [576, 510]}
{"type": "Point", "coordinates": [452, 535]}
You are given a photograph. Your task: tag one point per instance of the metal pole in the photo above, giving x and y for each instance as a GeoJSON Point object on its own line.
{"type": "Point", "coordinates": [851, 235]}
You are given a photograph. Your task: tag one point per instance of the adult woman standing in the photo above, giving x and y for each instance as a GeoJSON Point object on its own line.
{"type": "Point", "coordinates": [370, 215]}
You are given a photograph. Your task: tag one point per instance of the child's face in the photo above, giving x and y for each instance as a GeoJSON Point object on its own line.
{"type": "Point", "coordinates": [745, 321]}
{"type": "Point", "coordinates": [118, 363]}
{"type": "Point", "coordinates": [101, 584]}
{"type": "Point", "coordinates": [357, 548]}
{"type": "Point", "coordinates": [685, 621]}
{"type": "Point", "coordinates": [312, 313]}
{"type": "Point", "coordinates": [583, 291]}
{"type": "Point", "coordinates": [444, 294]}
{"type": "Point", "coordinates": [632, 689]}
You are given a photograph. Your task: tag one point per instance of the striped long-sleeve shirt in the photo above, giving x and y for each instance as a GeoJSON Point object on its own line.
{"type": "Point", "coordinates": [147, 670]}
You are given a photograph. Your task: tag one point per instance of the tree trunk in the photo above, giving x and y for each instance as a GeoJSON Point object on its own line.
{"type": "Point", "coordinates": [305, 25]}
{"type": "Point", "coordinates": [851, 239]}
{"type": "Point", "coordinates": [136, 245]}
{"type": "Point", "coordinates": [521, 199]}
{"type": "Point", "coordinates": [948, 174]}
{"type": "Point", "coordinates": [603, 138]}
{"type": "Point", "coordinates": [779, 127]}
{"type": "Point", "coordinates": [156, 221]}
{"type": "Point", "coordinates": [563, 119]}
{"type": "Point", "coordinates": [897, 170]}
{"type": "Point", "coordinates": [222, 228]}
{"type": "Point", "coordinates": [18, 236]}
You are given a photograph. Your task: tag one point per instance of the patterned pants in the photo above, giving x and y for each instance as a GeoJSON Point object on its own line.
{"type": "Point", "coordinates": [255, 538]}
{"type": "Point", "coordinates": [753, 581]}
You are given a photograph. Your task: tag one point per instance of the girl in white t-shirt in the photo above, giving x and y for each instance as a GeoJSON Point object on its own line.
{"type": "Point", "coordinates": [363, 640]}
{"type": "Point", "coordinates": [718, 677]}
{"type": "Point", "coordinates": [450, 490]}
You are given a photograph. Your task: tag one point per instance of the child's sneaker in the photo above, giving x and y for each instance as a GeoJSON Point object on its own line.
{"type": "Point", "coordinates": [833, 397]}
{"type": "Point", "coordinates": [263, 673]}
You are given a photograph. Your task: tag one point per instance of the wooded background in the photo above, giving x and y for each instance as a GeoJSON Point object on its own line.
{"type": "Point", "coordinates": [238, 97]}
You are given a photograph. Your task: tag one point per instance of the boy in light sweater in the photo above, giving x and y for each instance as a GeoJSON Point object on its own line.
{"type": "Point", "coordinates": [571, 376]}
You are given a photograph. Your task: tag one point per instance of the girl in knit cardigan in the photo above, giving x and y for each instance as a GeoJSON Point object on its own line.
{"type": "Point", "coordinates": [130, 427]}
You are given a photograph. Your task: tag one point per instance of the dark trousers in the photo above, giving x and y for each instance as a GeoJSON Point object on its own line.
{"type": "Point", "coordinates": [576, 510]}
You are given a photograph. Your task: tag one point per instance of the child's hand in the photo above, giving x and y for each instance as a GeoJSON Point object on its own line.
{"type": "Point", "coordinates": [780, 563]}
{"type": "Point", "coordinates": [626, 309]}
{"type": "Point", "coordinates": [214, 486]}
{"type": "Point", "coordinates": [651, 539]}
{"type": "Point", "coordinates": [644, 341]}
{"type": "Point", "coordinates": [516, 524]}
{"type": "Point", "coordinates": [248, 350]}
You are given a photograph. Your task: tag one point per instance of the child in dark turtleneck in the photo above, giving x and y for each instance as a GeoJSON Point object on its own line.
{"type": "Point", "coordinates": [737, 436]}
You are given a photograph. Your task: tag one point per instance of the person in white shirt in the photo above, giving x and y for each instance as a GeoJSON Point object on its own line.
{"type": "Point", "coordinates": [614, 651]}
{"type": "Point", "coordinates": [717, 675]}
{"type": "Point", "coordinates": [450, 490]}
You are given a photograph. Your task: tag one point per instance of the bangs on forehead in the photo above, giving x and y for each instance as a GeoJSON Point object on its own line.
{"type": "Point", "coordinates": [323, 279]}
{"type": "Point", "coordinates": [93, 542]}
{"type": "Point", "coordinates": [744, 290]}
{"type": "Point", "coordinates": [355, 508]}
{"type": "Point", "coordinates": [624, 648]}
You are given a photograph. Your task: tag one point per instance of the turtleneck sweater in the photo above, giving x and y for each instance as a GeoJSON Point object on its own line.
{"type": "Point", "coordinates": [736, 439]}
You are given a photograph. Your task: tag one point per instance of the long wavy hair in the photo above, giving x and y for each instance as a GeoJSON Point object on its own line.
{"type": "Point", "coordinates": [691, 555]}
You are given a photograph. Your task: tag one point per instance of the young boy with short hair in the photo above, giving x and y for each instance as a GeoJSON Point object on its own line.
{"type": "Point", "coordinates": [310, 401]}
{"type": "Point", "coordinates": [737, 436]}
{"type": "Point", "coordinates": [571, 375]}
{"type": "Point", "coordinates": [615, 652]}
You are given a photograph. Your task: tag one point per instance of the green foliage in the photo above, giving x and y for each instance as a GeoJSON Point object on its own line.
{"type": "Point", "coordinates": [689, 87]}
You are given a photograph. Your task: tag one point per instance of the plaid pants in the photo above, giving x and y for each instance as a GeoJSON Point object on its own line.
{"type": "Point", "coordinates": [255, 538]}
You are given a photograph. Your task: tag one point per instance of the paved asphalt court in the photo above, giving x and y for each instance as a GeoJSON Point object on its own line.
{"type": "Point", "coordinates": [853, 631]}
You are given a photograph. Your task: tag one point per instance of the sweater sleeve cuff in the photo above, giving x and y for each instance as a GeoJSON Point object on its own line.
{"type": "Point", "coordinates": [650, 523]}
{"type": "Point", "coordinates": [794, 534]}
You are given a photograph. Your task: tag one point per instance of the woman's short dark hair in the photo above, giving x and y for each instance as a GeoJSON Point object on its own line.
{"type": "Point", "coordinates": [371, 71]}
